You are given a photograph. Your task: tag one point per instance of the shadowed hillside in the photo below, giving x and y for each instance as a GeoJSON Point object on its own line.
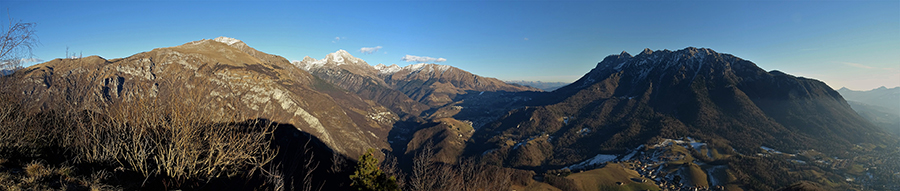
{"type": "Point", "coordinates": [629, 101]}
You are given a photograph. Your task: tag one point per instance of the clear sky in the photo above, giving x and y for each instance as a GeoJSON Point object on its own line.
{"type": "Point", "coordinates": [843, 43]}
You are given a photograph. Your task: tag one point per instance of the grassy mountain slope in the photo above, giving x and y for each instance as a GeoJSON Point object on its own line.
{"type": "Point", "coordinates": [232, 76]}
{"type": "Point", "coordinates": [628, 101]}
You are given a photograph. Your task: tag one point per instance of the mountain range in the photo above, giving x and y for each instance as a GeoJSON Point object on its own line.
{"type": "Point", "coordinates": [880, 106]}
{"type": "Point", "coordinates": [434, 99]}
{"type": "Point", "coordinates": [226, 74]}
{"type": "Point", "coordinates": [630, 108]}
{"type": "Point", "coordinates": [546, 86]}
{"type": "Point", "coordinates": [719, 114]}
{"type": "Point", "coordinates": [626, 101]}
{"type": "Point", "coordinates": [415, 87]}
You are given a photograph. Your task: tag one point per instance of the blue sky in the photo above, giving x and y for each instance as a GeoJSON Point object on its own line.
{"type": "Point", "coordinates": [843, 43]}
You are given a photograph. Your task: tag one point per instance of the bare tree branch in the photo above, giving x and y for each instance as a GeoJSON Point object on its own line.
{"type": "Point", "coordinates": [16, 42]}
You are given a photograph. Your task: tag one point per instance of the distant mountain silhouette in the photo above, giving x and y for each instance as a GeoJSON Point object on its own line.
{"type": "Point", "coordinates": [546, 86]}
{"type": "Point", "coordinates": [881, 106]}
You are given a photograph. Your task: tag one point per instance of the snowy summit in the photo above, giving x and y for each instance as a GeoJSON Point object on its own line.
{"type": "Point", "coordinates": [227, 40]}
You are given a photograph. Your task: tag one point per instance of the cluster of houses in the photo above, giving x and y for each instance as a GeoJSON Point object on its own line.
{"type": "Point", "coordinates": [654, 169]}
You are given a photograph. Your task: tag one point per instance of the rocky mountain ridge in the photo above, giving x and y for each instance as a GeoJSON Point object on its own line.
{"type": "Point", "coordinates": [683, 113]}
{"type": "Point", "coordinates": [227, 75]}
{"type": "Point", "coordinates": [443, 105]}
{"type": "Point", "coordinates": [629, 100]}
{"type": "Point", "coordinates": [430, 84]}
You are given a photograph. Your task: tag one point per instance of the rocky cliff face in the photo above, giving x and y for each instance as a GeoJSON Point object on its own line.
{"type": "Point", "coordinates": [227, 75]}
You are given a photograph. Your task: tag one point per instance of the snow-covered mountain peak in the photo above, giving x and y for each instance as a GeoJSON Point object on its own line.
{"type": "Point", "coordinates": [309, 63]}
{"type": "Point", "coordinates": [393, 68]}
{"type": "Point", "coordinates": [342, 52]}
{"type": "Point", "coordinates": [426, 67]}
{"type": "Point", "coordinates": [226, 40]}
{"type": "Point", "coordinates": [414, 68]}
{"type": "Point", "coordinates": [342, 57]}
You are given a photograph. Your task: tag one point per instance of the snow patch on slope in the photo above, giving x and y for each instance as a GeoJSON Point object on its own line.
{"type": "Point", "coordinates": [310, 63]}
{"type": "Point", "coordinates": [423, 67]}
{"type": "Point", "coordinates": [688, 143]}
{"type": "Point", "coordinates": [712, 178]}
{"type": "Point", "coordinates": [600, 158]}
{"type": "Point", "coordinates": [382, 69]}
{"type": "Point", "coordinates": [771, 150]}
{"type": "Point", "coordinates": [522, 143]}
{"type": "Point", "coordinates": [415, 67]}
{"type": "Point", "coordinates": [226, 40]}
{"type": "Point", "coordinates": [631, 155]}
{"type": "Point", "coordinates": [338, 58]}
{"type": "Point", "coordinates": [342, 57]}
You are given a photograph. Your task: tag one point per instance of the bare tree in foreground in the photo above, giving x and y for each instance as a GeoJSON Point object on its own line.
{"type": "Point", "coordinates": [16, 43]}
{"type": "Point", "coordinates": [469, 175]}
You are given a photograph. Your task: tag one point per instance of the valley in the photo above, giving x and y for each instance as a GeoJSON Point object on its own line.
{"type": "Point", "coordinates": [450, 95]}
{"type": "Point", "coordinates": [472, 123]}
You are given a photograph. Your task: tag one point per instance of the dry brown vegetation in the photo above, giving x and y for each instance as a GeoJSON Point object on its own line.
{"type": "Point", "coordinates": [467, 175]}
{"type": "Point", "coordinates": [165, 140]}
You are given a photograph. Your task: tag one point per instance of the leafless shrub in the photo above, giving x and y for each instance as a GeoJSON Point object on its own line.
{"type": "Point", "coordinates": [390, 166]}
{"type": "Point", "coordinates": [274, 177]}
{"type": "Point", "coordinates": [172, 136]}
{"type": "Point", "coordinates": [337, 163]}
{"type": "Point", "coordinates": [11, 122]}
{"type": "Point", "coordinates": [297, 166]}
{"type": "Point", "coordinates": [422, 177]}
{"type": "Point", "coordinates": [309, 166]}
{"type": "Point", "coordinates": [468, 175]}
